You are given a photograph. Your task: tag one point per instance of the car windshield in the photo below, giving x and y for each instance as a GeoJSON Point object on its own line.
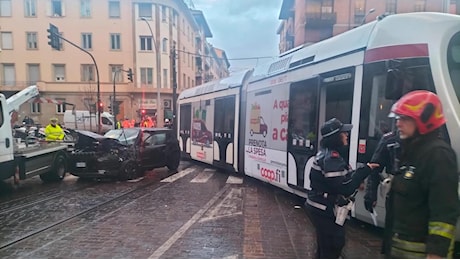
{"type": "Point", "coordinates": [125, 136]}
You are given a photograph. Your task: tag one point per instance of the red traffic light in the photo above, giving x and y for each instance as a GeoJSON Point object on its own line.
{"type": "Point", "coordinates": [143, 111]}
{"type": "Point", "coordinates": [100, 106]}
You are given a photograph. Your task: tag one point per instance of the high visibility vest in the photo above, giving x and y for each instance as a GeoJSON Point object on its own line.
{"type": "Point", "coordinates": [53, 133]}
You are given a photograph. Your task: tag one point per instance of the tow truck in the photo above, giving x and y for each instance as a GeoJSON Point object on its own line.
{"type": "Point", "coordinates": [21, 160]}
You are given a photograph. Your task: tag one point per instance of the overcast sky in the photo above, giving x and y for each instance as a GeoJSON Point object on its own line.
{"type": "Point", "coordinates": [243, 28]}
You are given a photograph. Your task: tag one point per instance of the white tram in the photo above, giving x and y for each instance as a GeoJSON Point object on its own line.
{"type": "Point", "coordinates": [265, 122]}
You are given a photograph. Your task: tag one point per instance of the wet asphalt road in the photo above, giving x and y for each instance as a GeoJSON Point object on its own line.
{"type": "Point", "coordinates": [197, 212]}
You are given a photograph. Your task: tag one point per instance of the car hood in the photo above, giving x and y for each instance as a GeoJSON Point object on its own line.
{"type": "Point", "coordinates": [90, 141]}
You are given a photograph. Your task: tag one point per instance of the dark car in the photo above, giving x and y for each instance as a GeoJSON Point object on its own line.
{"type": "Point", "coordinates": [123, 153]}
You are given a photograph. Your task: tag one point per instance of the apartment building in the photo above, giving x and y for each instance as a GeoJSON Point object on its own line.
{"type": "Point", "coordinates": [119, 35]}
{"type": "Point", "coordinates": [310, 21]}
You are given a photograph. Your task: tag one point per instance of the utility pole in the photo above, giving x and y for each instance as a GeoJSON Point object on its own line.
{"type": "Point", "coordinates": [174, 85]}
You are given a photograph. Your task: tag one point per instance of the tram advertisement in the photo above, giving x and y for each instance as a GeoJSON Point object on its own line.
{"type": "Point", "coordinates": [266, 134]}
{"type": "Point", "coordinates": [202, 130]}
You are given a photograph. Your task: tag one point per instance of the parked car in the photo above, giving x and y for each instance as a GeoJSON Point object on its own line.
{"type": "Point", "coordinates": [123, 153]}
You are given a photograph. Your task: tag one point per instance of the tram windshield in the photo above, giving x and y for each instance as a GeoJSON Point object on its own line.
{"type": "Point", "coordinates": [453, 63]}
{"type": "Point", "coordinates": [413, 74]}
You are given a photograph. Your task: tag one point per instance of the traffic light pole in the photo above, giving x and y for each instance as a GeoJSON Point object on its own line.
{"type": "Point", "coordinates": [174, 80]}
{"type": "Point", "coordinates": [97, 78]}
{"type": "Point", "coordinates": [130, 75]}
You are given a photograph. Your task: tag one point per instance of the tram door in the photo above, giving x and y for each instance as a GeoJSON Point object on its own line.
{"type": "Point", "coordinates": [302, 129]}
{"type": "Point", "coordinates": [185, 126]}
{"type": "Point", "coordinates": [336, 100]}
{"type": "Point", "coordinates": [224, 125]}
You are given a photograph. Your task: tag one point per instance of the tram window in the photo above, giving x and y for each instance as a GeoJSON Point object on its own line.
{"type": "Point", "coordinates": [1, 115]}
{"type": "Point", "coordinates": [453, 63]}
{"type": "Point", "coordinates": [339, 101]}
{"type": "Point", "coordinates": [379, 123]}
{"type": "Point", "coordinates": [224, 115]}
{"type": "Point", "coordinates": [303, 112]}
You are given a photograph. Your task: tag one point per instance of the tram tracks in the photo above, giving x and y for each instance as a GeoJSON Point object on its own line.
{"type": "Point", "coordinates": [107, 207]}
{"type": "Point", "coordinates": [37, 198]}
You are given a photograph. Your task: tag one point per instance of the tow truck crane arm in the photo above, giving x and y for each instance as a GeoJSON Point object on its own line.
{"type": "Point", "coordinates": [16, 100]}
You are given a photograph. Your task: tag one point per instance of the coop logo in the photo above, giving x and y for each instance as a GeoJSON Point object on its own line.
{"type": "Point", "coordinates": [270, 175]}
{"type": "Point", "coordinates": [201, 155]}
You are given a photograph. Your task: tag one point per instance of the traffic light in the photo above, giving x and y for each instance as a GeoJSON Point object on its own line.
{"type": "Point", "coordinates": [53, 36]}
{"type": "Point", "coordinates": [100, 107]}
{"type": "Point", "coordinates": [130, 74]}
{"type": "Point", "coordinates": [143, 112]}
{"type": "Point", "coordinates": [116, 109]}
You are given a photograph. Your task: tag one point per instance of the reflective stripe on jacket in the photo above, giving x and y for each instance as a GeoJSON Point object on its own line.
{"type": "Point", "coordinates": [332, 180]}
{"type": "Point", "coordinates": [424, 200]}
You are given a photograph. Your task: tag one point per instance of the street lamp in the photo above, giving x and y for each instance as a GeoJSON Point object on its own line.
{"type": "Point", "coordinates": [368, 13]}
{"type": "Point", "coordinates": [158, 64]}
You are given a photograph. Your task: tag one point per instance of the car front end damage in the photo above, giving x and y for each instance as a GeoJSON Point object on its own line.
{"type": "Point", "coordinates": [97, 156]}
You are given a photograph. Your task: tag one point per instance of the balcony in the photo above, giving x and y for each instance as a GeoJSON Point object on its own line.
{"type": "Point", "coordinates": [289, 35]}
{"type": "Point", "coordinates": [320, 20]}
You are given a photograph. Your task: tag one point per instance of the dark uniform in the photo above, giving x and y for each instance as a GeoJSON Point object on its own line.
{"type": "Point", "coordinates": [387, 155]}
{"type": "Point", "coordinates": [421, 200]}
{"type": "Point", "coordinates": [333, 185]}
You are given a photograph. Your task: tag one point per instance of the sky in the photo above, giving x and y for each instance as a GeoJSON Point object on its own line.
{"type": "Point", "coordinates": [243, 29]}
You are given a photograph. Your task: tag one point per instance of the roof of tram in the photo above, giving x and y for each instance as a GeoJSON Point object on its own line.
{"type": "Point", "coordinates": [235, 80]}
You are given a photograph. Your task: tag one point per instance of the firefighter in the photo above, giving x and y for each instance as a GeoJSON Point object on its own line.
{"type": "Point", "coordinates": [333, 186]}
{"type": "Point", "coordinates": [423, 203]}
{"type": "Point", "coordinates": [53, 132]}
{"type": "Point", "coordinates": [126, 123]}
{"type": "Point", "coordinates": [147, 122]}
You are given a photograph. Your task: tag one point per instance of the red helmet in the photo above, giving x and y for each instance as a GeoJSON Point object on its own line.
{"type": "Point", "coordinates": [422, 106]}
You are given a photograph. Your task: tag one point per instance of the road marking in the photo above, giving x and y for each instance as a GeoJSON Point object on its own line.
{"type": "Point", "coordinates": [136, 180]}
{"type": "Point", "coordinates": [231, 205]}
{"type": "Point", "coordinates": [209, 170]}
{"type": "Point", "coordinates": [202, 177]}
{"type": "Point", "coordinates": [234, 180]}
{"type": "Point", "coordinates": [181, 231]}
{"type": "Point", "coordinates": [178, 175]}
{"type": "Point", "coordinates": [231, 257]}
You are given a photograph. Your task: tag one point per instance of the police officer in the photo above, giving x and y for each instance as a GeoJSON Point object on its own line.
{"type": "Point", "coordinates": [333, 185]}
{"type": "Point", "coordinates": [422, 204]}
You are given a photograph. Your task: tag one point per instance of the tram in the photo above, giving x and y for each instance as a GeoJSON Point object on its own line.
{"type": "Point", "coordinates": [265, 122]}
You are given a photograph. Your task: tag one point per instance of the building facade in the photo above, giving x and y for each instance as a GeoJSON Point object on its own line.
{"type": "Point", "coordinates": [118, 34]}
{"type": "Point", "coordinates": [310, 21]}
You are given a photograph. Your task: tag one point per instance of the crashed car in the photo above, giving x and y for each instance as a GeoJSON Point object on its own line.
{"type": "Point", "coordinates": [123, 153]}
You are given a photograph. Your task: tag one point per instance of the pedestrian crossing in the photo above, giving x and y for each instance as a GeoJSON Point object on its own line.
{"type": "Point", "coordinates": [203, 176]}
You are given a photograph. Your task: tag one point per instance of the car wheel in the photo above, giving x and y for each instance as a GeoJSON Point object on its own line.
{"type": "Point", "coordinates": [58, 172]}
{"type": "Point", "coordinates": [128, 170]}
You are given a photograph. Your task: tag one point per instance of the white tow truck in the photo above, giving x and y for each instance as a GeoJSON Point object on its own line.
{"type": "Point", "coordinates": [20, 160]}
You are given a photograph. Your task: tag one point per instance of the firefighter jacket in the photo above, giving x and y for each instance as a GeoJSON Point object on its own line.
{"type": "Point", "coordinates": [332, 182]}
{"type": "Point", "coordinates": [54, 133]}
{"type": "Point", "coordinates": [387, 155]}
{"type": "Point", "coordinates": [424, 203]}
